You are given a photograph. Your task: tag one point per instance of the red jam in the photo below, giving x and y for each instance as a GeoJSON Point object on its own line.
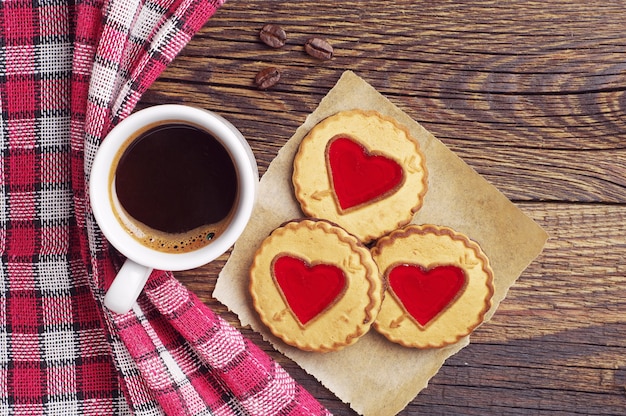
{"type": "Point", "coordinates": [426, 293]}
{"type": "Point", "coordinates": [359, 177]}
{"type": "Point", "coordinates": [308, 289]}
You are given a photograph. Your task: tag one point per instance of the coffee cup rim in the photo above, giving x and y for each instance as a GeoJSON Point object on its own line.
{"type": "Point", "coordinates": [101, 180]}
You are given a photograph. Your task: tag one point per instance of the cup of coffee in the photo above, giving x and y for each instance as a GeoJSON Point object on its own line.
{"type": "Point", "coordinates": [172, 187]}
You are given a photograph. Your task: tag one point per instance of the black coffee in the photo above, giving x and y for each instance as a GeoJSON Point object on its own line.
{"type": "Point", "coordinates": [178, 185]}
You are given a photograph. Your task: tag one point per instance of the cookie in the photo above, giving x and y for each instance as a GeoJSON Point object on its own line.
{"type": "Point", "coordinates": [362, 171]}
{"type": "Point", "coordinates": [315, 286]}
{"type": "Point", "coordinates": [439, 286]}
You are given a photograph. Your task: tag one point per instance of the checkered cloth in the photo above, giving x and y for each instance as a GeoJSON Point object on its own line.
{"type": "Point", "coordinates": [69, 71]}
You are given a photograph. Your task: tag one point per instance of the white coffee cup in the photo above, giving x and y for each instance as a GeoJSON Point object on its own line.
{"type": "Point", "coordinates": [141, 259]}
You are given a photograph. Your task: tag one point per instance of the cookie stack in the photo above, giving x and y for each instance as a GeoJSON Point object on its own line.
{"type": "Point", "coordinates": [321, 283]}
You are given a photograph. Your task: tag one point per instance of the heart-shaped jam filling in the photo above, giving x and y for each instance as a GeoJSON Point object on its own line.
{"type": "Point", "coordinates": [308, 289]}
{"type": "Point", "coordinates": [358, 176]}
{"type": "Point", "coordinates": [426, 293]}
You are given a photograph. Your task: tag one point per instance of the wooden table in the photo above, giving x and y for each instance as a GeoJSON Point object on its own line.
{"type": "Point", "coordinates": [531, 95]}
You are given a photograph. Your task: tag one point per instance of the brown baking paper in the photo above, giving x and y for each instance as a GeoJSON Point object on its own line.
{"type": "Point", "coordinates": [375, 376]}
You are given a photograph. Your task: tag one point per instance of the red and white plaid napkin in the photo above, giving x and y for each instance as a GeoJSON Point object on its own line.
{"type": "Point", "coordinates": [69, 71]}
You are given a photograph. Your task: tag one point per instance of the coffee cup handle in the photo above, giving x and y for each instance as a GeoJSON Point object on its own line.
{"type": "Point", "coordinates": [126, 286]}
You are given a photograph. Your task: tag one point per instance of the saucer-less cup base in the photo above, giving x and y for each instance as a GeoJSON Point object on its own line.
{"type": "Point", "coordinates": [141, 260]}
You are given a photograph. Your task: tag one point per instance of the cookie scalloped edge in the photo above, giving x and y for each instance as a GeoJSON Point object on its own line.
{"type": "Point", "coordinates": [368, 236]}
{"type": "Point", "coordinates": [455, 236]}
{"type": "Point", "coordinates": [376, 289]}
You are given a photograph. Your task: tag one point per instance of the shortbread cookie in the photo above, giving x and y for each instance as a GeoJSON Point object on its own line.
{"type": "Point", "coordinates": [362, 171]}
{"type": "Point", "coordinates": [315, 286]}
{"type": "Point", "coordinates": [439, 286]}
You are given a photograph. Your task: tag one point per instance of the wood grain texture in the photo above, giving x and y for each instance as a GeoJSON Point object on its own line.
{"type": "Point", "coordinates": [531, 95]}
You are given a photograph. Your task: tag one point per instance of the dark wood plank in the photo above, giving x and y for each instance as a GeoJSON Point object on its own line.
{"type": "Point", "coordinates": [555, 345]}
{"type": "Point", "coordinates": [530, 94]}
{"type": "Point", "coordinates": [519, 100]}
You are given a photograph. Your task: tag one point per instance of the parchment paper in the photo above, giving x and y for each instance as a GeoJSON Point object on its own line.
{"type": "Point", "coordinates": [375, 376]}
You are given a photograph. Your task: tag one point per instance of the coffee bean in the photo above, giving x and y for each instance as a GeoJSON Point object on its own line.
{"type": "Point", "coordinates": [319, 48]}
{"type": "Point", "coordinates": [273, 35]}
{"type": "Point", "coordinates": [267, 78]}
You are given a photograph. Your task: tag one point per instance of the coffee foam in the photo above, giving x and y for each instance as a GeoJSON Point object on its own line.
{"type": "Point", "coordinates": [168, 242]}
